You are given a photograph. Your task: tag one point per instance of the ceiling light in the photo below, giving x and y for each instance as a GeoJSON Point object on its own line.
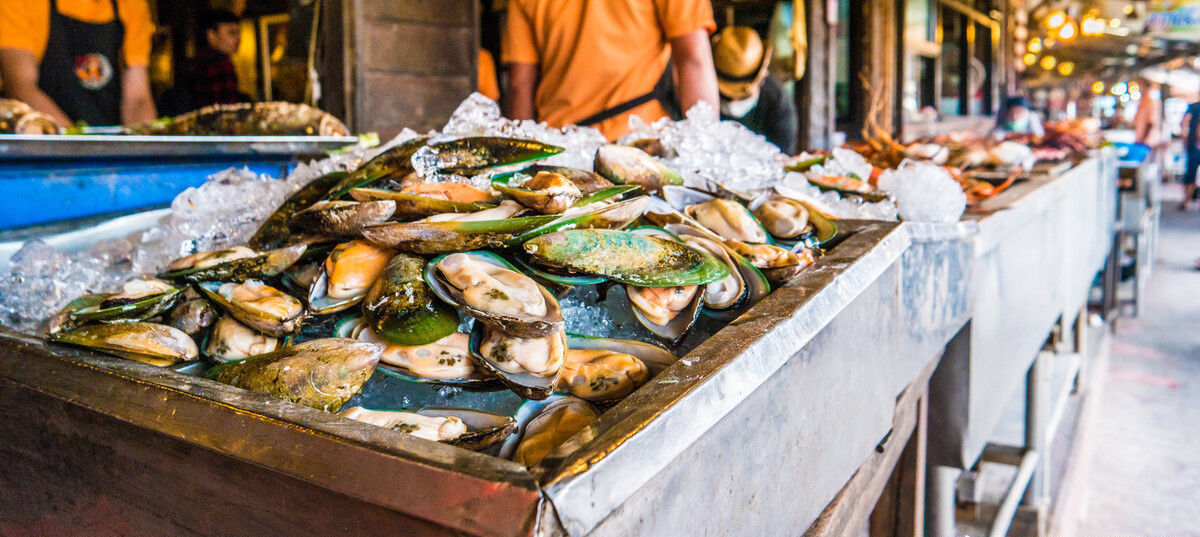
{"type": "Point", "coordinates": [1091, 26]}
{"type": "Point", "coordinates": [1066, 68]}
{"type": "Point", "coordinates": [1097, 87]}
{"type": "Point", "coordinates": [1049, 62]}
{"type": "Point", "coordinates": [1035, 45]}
{"type": "Point", "coordinates": [1119, 88]}
{"type": "Point", "coordinates": [1068, 31]}
{"type": "Point", "coordinates": [1055, 19]}
{"type": "Point", "coordinates": [1030, 59]}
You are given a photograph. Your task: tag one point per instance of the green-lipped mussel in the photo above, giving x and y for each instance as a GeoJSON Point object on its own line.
{"type": "Point", "coordinates": [605, 370]}
{"type": "Point", "coordinates": [627, 257]}
{"type": "Point", "coordinates": [630, 165]}
{"type": "Point", "coordinates": [445, 361]}
{"type": "Point", "coordinates": [414, 206]}
{"type": "Point", "coordinates": [139, 299]}
{"type": "Point", "coordinates": [151, 343]}
{"type": "Point", "coordinates": [466, 428]}
{"type": "Point", "coordinates": [347, 274]}
{"type": "Point", "coordinates": [546, 193]}
{"type": "Point", "coordinates": [587, 181]}
{"type": "Point", "coordinates": [322, 373]}
{"type": "Point", "coordinates": [236, 264]}
{"type": "Point", "coordinates": [777, 264]}
{"type": "Point", "coordinates": [401, 308]}
{"type": "Point", "coordinates": [493, 291]}
{"type": "Point", "coordinates": [257, 305]}
{"type": "Point", "coordinates": [469, 156]}
{"type": "Point", "coordinates": [341, 219]}
{"type": "Point", "coordinates": [274, 233]}
{"type": "Point", "coordinates": [543, 428]}
{"type": "Point", "coordinates": [231, 340]}
{"type": "Point", "coordinates": [527, 366]}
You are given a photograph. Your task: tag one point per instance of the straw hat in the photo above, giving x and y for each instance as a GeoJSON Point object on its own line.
{"type": "Point", "coordinates": [741, 61]}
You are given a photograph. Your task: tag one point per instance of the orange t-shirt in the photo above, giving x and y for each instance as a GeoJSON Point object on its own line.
{"type": "Point", "coordinates": [487, 84]}
{"type": "Point", "coordinates": [25, 24]}
{"type": "Point", "coordinates": [596, 54]}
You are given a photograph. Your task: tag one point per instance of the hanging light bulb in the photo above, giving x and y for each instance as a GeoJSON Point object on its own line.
{"type": "Point", "coordinates": [1049, 62]}
{"type": "Point", "coordinates": [1030, 59]}
{"type": "Point", "coordinates": [1066, 68]}
{"type": "Point", "coordinates": [1097, 87]}
{"type": "Point", "coordinates": [1068, 31]}
{"type": "Point", "coordinates": [1092, 26]}
{"type": "Point", "coordinates": [1035, 45]}
{"type": "Point", "coordinates": [1120, 88]}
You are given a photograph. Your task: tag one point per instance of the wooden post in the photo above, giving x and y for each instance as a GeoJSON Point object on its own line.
{"type": "Point", "coordinates": [814, 92]}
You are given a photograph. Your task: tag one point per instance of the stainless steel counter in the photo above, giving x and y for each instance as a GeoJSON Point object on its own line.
{"type": "Point", "coordinates": [1038, 248]}
{"type": "Point", "coordinates": [93, 147]}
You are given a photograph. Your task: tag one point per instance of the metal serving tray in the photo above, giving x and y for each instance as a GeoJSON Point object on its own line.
{"type": "Point", "coordinates": [125, 146]}
{"type": "Point", "coordinates": [753, 432]}
{"type": "Point", "coordinates": [1038, 248]}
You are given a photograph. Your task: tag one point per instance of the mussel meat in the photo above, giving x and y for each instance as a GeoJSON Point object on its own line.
{"type": "Point", "coordinates": [777, 264]}
{"type": "Point", "coordinates": [784, 218]}
{"type": "Point", "coordinates": [257, 305]}
{"type": "Point", "coordinates": [546, 193]}
{"type": "Point", "coordinates": [528, 366]}
{"type": "Point", "coordinates": [341, 219]}
{"type": "Point", "coordinates": [728, 219]}
{"type": "Point", "coordinates": [601, 375]}
{"type": "Point", "coordinates": [231, 340]}
{"type": "Point", "coordinates": [630, 165]}
{"type": "Point", "coordinates": [349, 271]}
{"type": "Point", "coordinates": [550, 428]}
{"type": "Point", "coordinates": [491, 290]}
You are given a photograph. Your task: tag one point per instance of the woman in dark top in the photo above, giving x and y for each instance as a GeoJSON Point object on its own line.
{"type": "Point", "coordinates": [748, 95]}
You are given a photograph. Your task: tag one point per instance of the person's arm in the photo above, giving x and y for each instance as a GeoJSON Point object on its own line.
{"type": "Point", "coordinates": [19, 70]}
{"type": "Point", "coordinates": [696, 76]}
{"type": "Point", "coordinates": [137, 106]}
{"type": "Point", "coordinates": [522, 83]}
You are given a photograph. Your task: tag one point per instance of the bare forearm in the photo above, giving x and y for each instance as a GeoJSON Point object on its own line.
{"type": "Point", "coordinates": [35, 97]}
{"type": "Point", "coordinates": [137, 110]}
{"type": "Point", "coordinates": [137, 106]}
{"type": "Point", "coordinates": [522, 84]}
{"type": "Point", "coordinates": [697, 77]}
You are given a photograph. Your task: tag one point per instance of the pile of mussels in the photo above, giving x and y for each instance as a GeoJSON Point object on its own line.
{"type": "Point", "coordinates": [397, 260]}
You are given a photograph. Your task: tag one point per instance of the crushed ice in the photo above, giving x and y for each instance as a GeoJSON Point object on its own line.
{"type": "Point", "coordinates": [924, 192]}
{"type": "Point", "coordinates": [228, 208]}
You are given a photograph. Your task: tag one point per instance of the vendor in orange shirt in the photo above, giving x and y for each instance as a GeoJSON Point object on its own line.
{"type": "Point", "coordinates": [595, 62]}
{"type": "Point", "coordinates": [78, 60]}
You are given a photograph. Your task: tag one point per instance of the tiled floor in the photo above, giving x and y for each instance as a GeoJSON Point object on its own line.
{"type": "Point", "coordinates": [1144, 475]}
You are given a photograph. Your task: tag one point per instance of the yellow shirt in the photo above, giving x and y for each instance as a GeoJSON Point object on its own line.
{"type": "Point", "coordinates": [25, 24]}
{"type": "Point", "coordinates": [595, 54]}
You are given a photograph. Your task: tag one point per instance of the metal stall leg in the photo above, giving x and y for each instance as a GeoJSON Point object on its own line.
{"type": "Point", "coordinates": [940, 507]}
{"type": "Point", "coordinates": [1036, 390]}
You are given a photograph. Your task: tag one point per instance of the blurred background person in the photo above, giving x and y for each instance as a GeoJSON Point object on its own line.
{"type": "Point", "coordinates": [748, 94]}
{"type": "Point", "coordinates": [595, 63]}
{"type": "Point", "coordinates": [1147, 122]}
{"type": "Point", "coordinates": [211, 78]}
{"type": "Point", "coordinates": [1018, 117]}
{"type": "Point", "coordinates": [78, 60]}
{"type": "Point", "coordinates": [1191, 152]}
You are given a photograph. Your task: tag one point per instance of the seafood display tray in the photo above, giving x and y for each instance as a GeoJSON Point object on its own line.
{"type": "Point", "coordinates": [18, 147]}
{"type": "Point", "coordinates": [775, 388]}
{"type": "Point", "coordinates": [1038, 249]}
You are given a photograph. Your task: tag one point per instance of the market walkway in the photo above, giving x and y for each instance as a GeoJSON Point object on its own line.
{"type": "Point", "coordinates": [1145, 469]}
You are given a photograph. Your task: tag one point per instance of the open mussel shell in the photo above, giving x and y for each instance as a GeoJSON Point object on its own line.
{"type": "Point", "coordinates": [560, 279]}
{"type": "Point", "coordinates": [351, 268]}
{"type": "Point", "coordinates": [656, 357]}
{"type": "Point", "coordinates": [151, 343]}
{"type": "Point", "coordinates": [625, 257]}
{"type": "Point", "coordinates": [239, 270]}
{"type": "Point", "coordinates": [230, 340]}
{"type": "Point", "coordinates": [393, 162]}
{"type": "Point", "coordinates": [728, 219]}
{"type": "Point", "coordinates": [543, 426]}
{"type": "Point", "coordinates": [777, 264]}
{"type": "Point", "coordinates": [402, 309]}
{"type": "Point", "coordinates": [847, 186]}
{"type": "Point", "coordinates": [675, 328]}
{"type": "Point", "coordinates": [355, 327]}
{"type": "Point", "coordinates": [63, 320]}
{"type": "Point", "coordinates": [193, 315]}
{"type": "Point", "coordinates": [136, 310]}
{"type": "Point", "coordinates": [524, 383]}
{"type": "Point", "coordinates": [469, 156]}
{"type": "Point", "coordinates": [322, 373]}
{"type": "Point", "coordinates": [609, 194]}
{"type": "Point", "coordinates": [587, 181]}
{"type": "Point", "coordinates": [415, 206]}
{"type": "Point", "coordinates": [266, 322]}
{"type": "Point", "coordinates": [484, 429]}
{"type": "Point", "coordinates": [341, 219]}
{"type": "Point", "coordinates": [434, 238]}
{"type": "Point", "coordinates": [754, 285]}
{"type": "Point", "coordinates": [629, 165]}
{"type": "Point", "coordinates": [522, 326]}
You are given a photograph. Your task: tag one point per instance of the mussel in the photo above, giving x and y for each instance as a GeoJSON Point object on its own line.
{"type": "Point", "coordinates": [349, 271]}
{"type": "Point", "coordinates": [469, 156]}
{"type": "Point", "coordinates": [322, 373]}
{"type": "Point", "coordinates": [668, 312]}
{"type": "Point", "coordinates": [341, 219]}
{"type": "Point", "coordinates": [274, 233]}
{"type": "Point", "coordinates": [624, 257]}
{"type": "Point", "coordinates": [784, 218]}
{"type": "Point", "coordinates": [401, 309]}
{"type": "Point", "coordinates": [139, 299]}
{"type": "Point", "coordinates": [587, 181]}
{"type": "Point", "coordinates": [236, 264]}
{"type": "Point", "coordinates": [415, 206]}
{"type": "Point", "coordinates": [63, 320]}
{"type": "Point", "coordinates": [231, 340]}
{"type": "Point", "coordinates": [729, 219]}
{"type": "Point", "coordinates": [151, 343]}
{"type": "Point", "coordinates": [528, 366]}
{"type": "Point", "coordinates": [194, 314]}
{"type": "Point", "coordinates": [466, 428]}
{"type": "Point", "coordinates": [744, 286]}
{"type": "Point", "coordinates": [445, 361]}
{"type": "Point", "coordinates": [257, 305]}
{"type": "Point", "coordinates": [433, 238]}
{"type": "Point", "coordinates": [777, 264]}
{"type": "Point", "coordinates": [630, 165]}
{"type": "Point", "coordinates": [552, 425]}
{"type": "Point", "coordinates": [601, 375]}
{"type": "Point", "coordinates": [505, 209]}
{"type": "Point", "coordinates": [546, 193]}
{"type": "Point", "coordinates": [491, 290]}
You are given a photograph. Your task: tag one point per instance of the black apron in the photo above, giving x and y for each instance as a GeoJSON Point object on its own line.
{"type": "Point", "coordinates": [663, 92]}
{"type": "Point", "coordinates": [79, 70]}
